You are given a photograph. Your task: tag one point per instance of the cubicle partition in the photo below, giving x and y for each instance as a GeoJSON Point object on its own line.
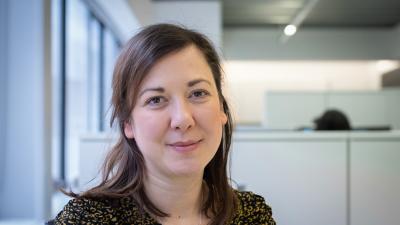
{"type": "Point", "coordinates": [301, 175]}
{"type": "Point", "coordinates": [291, 109]}
{"type": "Point", "coordinates": [93, 150]}
{"type": "Point", "coordinates": [309, 178]}
{"type": "Point", "coordinates": [335, 178]}
{"type": "Point", "coordinates": [374, 178]}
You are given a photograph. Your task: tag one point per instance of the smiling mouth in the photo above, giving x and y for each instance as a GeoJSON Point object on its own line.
{"type": "Point", "coordinates": [185, 146]}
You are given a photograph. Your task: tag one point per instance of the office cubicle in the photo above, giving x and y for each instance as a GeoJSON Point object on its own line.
{"type": "Point", "coordinates": [291, 110]}
{"type": "Point", "coordinates": [335, 178]}
{"type": "Point", "coordinates": [309, 178]}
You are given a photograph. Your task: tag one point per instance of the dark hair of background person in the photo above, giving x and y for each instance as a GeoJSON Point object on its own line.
{"type": "Point", "coordinates": [332, 120]}
{"type": "Point", "coordinates": [124, 167]}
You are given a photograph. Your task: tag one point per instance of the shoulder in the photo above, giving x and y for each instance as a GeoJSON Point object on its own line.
{"type": "Point", "coordinates": [102, 211]}
{"type": "Point", "coordinates": [84, 210]}
{"type": "Point", "coordinates": [253, 209]}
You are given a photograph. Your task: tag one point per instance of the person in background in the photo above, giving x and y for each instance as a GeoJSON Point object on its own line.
{"type": "Point", "coordinates": [169, 165]}
{"type": "Point", "coordinates": [332, 119]}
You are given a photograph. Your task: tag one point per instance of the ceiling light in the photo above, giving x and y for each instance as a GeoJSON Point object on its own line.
{"type": "Point", "coordinates": [290, 30]}
{"type": "Point", "coordinates": [297, 20]}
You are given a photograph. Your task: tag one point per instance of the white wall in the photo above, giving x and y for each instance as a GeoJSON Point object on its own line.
{"type": "Point", "coordinates": [203, 16]}
{"type": "Point", "coordinates": [257, 77]}
{"type": "Point", "coordinates": [25, 180]}
{"type": "Point", "coordinates": [126, 17]}
{"type": "Point", "coordinates": [309, 43]}
{"type": "Point", "coordinates": [143, 11]}
{"type": "Point", "coordinates": [313, 59]}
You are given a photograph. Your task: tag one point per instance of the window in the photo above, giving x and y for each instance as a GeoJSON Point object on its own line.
{"type": "Point", "coordinates": [84, 52]}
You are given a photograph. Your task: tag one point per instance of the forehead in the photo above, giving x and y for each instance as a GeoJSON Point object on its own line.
{"type": "Point", "coordinates": [184, 65]}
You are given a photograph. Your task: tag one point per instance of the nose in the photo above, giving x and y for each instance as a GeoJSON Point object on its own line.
{"type": "Point", "coordinates": [181, 116]}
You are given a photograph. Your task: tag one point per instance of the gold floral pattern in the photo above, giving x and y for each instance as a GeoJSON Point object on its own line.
{"type": "Point", "coordinates": [252, 210]}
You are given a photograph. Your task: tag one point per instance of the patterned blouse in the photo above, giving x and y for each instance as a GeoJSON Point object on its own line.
{"type": "Point", "coordinates": [252, 210]}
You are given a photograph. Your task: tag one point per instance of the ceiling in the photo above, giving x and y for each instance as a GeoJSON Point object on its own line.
{"type": "Point", "coordinates": [325, 13]}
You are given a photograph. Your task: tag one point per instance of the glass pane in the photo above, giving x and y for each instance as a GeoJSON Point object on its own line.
{"type": "Point", "coordinates": [76, 84]}
{"type": "Point", "coordinates": [94, 76]}
{"type": "Point", "coordinates": [111, 51]}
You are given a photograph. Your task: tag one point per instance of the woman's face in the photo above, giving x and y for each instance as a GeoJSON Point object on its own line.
{"type": "Point", "coordinates": [177, 120]}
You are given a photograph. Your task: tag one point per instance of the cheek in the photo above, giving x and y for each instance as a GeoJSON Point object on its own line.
{"type": "Point", "coordinates": [148, 126]}
{"type": "Point", "coordinates": [212, 119]}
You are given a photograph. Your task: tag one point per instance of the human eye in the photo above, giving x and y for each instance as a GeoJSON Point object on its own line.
{"type": "Point", "coordinates": [155, 101]}
{"type": "Point", "coordinates": [199, 94]}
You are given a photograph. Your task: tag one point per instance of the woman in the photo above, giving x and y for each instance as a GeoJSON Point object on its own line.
{"type": "Point", "coordinates": [169, 165]}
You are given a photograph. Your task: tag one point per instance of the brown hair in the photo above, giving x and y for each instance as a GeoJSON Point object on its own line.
{"type": "Point", "coordinates": [124, 167]}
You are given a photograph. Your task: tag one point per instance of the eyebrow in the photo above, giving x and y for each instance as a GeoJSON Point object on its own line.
{"type": "Point", "coordinates": [161, 90]}
{"type": "Point", "coordinates": [194, 82]}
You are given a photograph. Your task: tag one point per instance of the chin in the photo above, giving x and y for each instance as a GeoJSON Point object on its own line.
{"type": "Point", "coordinates": [187, 170]}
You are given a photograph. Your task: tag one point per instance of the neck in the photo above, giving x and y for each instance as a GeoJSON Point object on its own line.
{"type": "Point", "coordinates": [179, 197]}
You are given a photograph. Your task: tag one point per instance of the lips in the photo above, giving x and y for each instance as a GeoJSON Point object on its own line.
{"type": "Point", "coordinates": [184, 146]}
{"type": "Point", "coordinates": [183, 143]}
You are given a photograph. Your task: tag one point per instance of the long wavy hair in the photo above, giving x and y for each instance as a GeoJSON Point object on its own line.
{"type": "Point", "coordinates": [124, 167]}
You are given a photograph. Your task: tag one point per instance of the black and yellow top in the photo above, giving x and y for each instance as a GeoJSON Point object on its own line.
{"type": "Point", "coordinates": [252, 210]}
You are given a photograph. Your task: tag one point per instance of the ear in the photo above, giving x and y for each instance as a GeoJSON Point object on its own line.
{"type": "Point", "coordinates": [224, 118]}
{"type": "Point", "coordinates": [128, 130]}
